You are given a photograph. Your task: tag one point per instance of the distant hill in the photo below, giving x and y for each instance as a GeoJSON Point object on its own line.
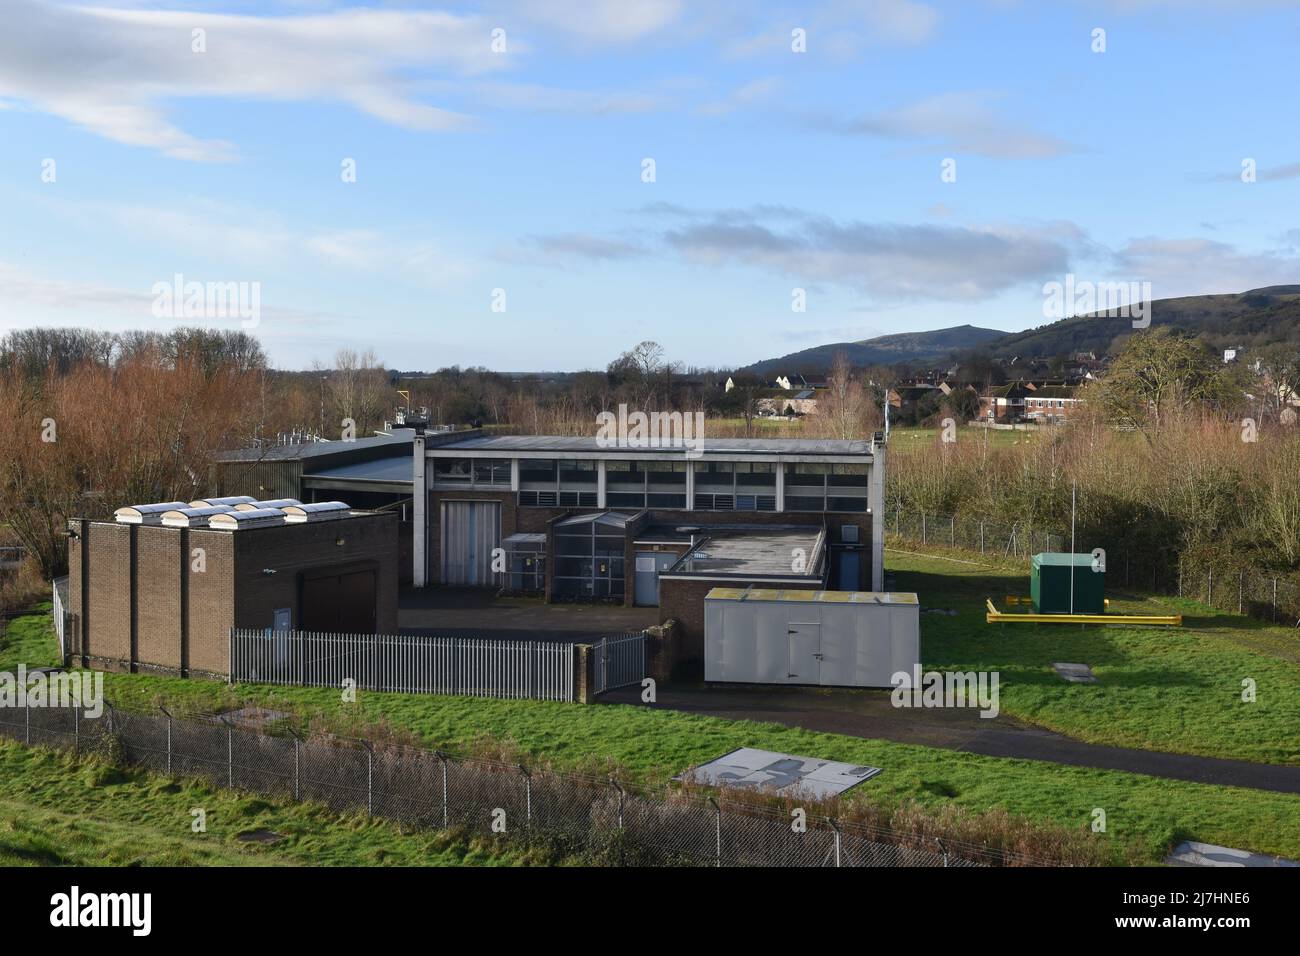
{"type": "Point", "coordinates": [1246, 319]}
{"type": "Point", "coordinates": [882, 350]}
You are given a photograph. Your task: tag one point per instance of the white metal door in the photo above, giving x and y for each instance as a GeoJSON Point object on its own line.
{"type": "Point", "coordinates": [805, 654]}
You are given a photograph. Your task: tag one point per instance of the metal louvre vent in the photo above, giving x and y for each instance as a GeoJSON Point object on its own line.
{"type": "Point", "coordinates": [539, 499]}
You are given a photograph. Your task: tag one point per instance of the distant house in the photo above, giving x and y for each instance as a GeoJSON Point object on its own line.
{"type": "Point", "coordinates": [907, 398]}
{"type": "Point", "coordinates": [803, 403]}
{"type": "Point", "coordinates": [1003, 404]}
{"type": "Point", "coordinates": [1051, 404]}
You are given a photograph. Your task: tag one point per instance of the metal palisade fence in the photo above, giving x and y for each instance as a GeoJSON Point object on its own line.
{"type": "Point", "coordinates": [535, 670]}
{"type": "Point", "coordinates": [1019, 538]}
{"type": "Point", "coordinates": [618, 662]}
{"type": "Point", "coordinates": [593, 819]}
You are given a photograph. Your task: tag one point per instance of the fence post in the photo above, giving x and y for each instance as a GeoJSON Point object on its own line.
{"type": "Point", "coordinates": [952, 530]}
{"type": "Point", "coordinates": [528, 797]}
{"type": "Point", "coordinates": [230, 752]}
{"type": "Point", "coordinates": [1275, 599]}
{"type": "Point", "coordinates": [1241, 584]}
{"type": "Point", "coordinates": [981, 537]}
{"type": "Point", "coordinates": [27, 723]}
{"type": "Point", "coordinates": [1209, 592]}
{"type": "Point", "coordinates": [370, 778]}
{"type": "Point", "coordinates": [442, 758]}
{"type": "Point", "coordinates": [923, 527]}
{"type": "Point", "coordinates": [835, 827]}
{"type": "Point", "coordinates": [943, 850]}
{"type": "Point", "coordinates": [614, 783]}
{"type": "Point", "coordinates": [297, 767]}
{"type": "Point", "coordinates": [168, 715]}
{"type": "Point", "coordinates": [717, 830]}
{"type": "Point", "coordinates": [76, 729]}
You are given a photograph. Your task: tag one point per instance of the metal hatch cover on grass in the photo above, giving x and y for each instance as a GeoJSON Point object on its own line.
{"type": "Point", "coordinates": [777, 772]}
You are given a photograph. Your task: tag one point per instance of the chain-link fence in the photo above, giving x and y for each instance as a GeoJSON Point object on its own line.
{"type": "Point", "coordinates": [1271, 597]}
{"type": "Point", "coordinates": [593, 819]}
{"type": "Point", "coordinates": [1018, 539]}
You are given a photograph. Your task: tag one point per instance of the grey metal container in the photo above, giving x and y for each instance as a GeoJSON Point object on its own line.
{"type": "Point", "coordinates": [827, 638]}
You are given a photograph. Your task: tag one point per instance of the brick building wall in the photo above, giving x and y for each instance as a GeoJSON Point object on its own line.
{"type": "Point", "coordinates": [155, 598]}
{"type": "Point", "coordinates": [294, 550]}
{"type": "Point", "coordinates": [683, 602]}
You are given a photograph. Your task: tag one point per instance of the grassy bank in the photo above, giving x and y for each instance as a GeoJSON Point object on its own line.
{"type": "Point", "coordinates": [648, 746]}
{"type": "Point", "coordinates": [57, 810]}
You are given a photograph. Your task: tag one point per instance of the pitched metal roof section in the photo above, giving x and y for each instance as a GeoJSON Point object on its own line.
{"type": "Point", "coordinates": [317, 449]}
{"type": "Point", "coordinates": [381, 469]}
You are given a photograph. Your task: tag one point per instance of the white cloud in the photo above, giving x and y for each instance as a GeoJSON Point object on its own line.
{"type": "Point", "coordinates": [1194, 266]}
{"type": "Point", "coordinates": [961, 122]}
{"type": "Point", "coordinates": [113, 71]}
{"type": "Point", "coordinates": [601, 22]}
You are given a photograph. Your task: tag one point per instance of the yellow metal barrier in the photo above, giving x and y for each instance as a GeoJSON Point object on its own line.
{"type": "Point", "coordinates": [995, 616]}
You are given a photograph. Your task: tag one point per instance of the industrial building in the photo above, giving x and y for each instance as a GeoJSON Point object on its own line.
{"type": "Point", "coordinates": [373, 473]}
{"type": "Point", "coordinates": [160, 586]}
{"type": "Point", "coordinates": [647, 526]}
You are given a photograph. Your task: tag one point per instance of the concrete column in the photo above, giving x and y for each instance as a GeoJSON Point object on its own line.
{"type": "Point", "coordinates": [780, 486]}
{"type": "Point", "coordinates": [600, 483]}
{"type": "Point", "coordinates": [514, 474]}
{"type": "Point", "coordinates": [690, 485]}
{"type": "Point", "coordinates": [419, 518]}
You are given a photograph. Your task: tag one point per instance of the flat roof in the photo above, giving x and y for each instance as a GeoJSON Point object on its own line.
{"type": "Point", "coordinates": [799, 594]}
{"type": "Point", "coordinates": [767, 552]}
{"type": "Point", "coordinates": [589, 444]}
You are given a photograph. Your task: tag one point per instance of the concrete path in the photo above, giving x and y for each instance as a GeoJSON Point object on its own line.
{"type": "Point", "coordinates": [870, 714]}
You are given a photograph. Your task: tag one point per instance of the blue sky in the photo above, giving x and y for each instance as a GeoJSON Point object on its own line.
{"type": "Point", "coordinates": [521, 169]}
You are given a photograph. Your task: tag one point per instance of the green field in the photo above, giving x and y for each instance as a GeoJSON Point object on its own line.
{"type": "Point", "coordinates": [911, 438]}
{"type": "Point", "coordinates": [644, 745]}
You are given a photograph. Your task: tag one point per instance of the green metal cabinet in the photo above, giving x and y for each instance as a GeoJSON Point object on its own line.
{"type": "Point", "coordinates": [1049, 584]}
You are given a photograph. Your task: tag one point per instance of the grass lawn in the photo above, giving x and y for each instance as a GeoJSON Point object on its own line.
{"type": "Point", "coordinates": [1171, 689]}
{"type": "Point", "coordinates": [59, 810]}
{"type": "Point", "coordinates": [648, 745]}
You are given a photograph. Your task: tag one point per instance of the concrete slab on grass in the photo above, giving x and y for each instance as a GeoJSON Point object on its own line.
{"type": "Point", "coordinates": [1190, 853]}
{"type": "Point", "coordinates": [1076, 673]}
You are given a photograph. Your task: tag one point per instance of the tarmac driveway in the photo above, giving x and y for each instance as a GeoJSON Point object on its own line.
{"type": "Point", "coordinates": [869, 714]}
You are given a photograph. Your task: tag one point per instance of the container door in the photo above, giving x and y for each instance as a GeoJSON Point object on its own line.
{"type": "Point", "coordinates": [805, 654]}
